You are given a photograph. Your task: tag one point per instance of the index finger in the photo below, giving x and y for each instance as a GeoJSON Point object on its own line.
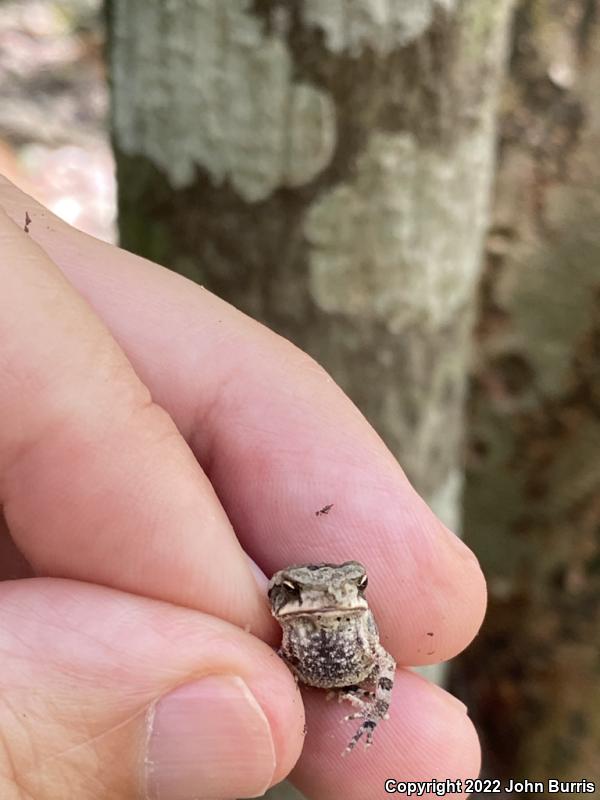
{"type": "Point", "coordinates": [278, 440]}
{"type": "Point", "coordinates": [96, 483]}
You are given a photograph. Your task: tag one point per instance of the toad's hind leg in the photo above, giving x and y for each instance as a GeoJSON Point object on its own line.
{"type": "Point", "coordinates": [356, 695]}
{"type": "Point", "coordinates": [376, 709]}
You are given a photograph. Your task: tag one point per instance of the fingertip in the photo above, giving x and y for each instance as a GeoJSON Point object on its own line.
{"type": "Point", "coordinates": [444, 596]}
{"type": "Point", "coordinates": [470, 596]}
{"type": "Point", "coordinates": [428, 736]}
{"type": "Point", "coordinates": [440, 726]}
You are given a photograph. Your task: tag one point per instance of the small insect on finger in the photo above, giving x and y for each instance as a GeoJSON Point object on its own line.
{"type": "Point", "coordinates": [325, 510]}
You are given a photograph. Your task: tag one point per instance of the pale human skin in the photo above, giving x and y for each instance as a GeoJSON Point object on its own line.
{"type": "Point", "coordinates": [150, 436]}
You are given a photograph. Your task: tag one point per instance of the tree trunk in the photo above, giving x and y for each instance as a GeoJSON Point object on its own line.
{"type": "Point", "coordinates": [326, 167]}
{"type": "Point", "coordinates": [533, 488]}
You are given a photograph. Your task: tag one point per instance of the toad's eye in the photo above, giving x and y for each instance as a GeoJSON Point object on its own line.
{"type": "Point", "coordinates": [292, 587]}
{"type": "Point", "coordinates": [362, 584]}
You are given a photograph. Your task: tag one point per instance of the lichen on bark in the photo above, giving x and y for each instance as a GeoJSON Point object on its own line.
{"type": "Point", "coordinates": [369, 257]}
{"type": "Point", "coordinates": [385, 25]}
{"type": "Point", "coordinates": [228, 103]}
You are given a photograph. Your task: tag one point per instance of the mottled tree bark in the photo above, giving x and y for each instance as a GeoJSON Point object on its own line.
{"type": "Point", "coordinates": [533, 488]}
{"type": "Point", "coordinates": [326, 167]}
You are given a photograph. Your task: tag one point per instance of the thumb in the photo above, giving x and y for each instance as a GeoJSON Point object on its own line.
{"type": "Point", "coordinates": [106, 694]}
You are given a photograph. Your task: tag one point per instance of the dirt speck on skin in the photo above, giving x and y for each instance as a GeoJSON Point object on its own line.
{"type": "Point", "coordinates": [27, 222]}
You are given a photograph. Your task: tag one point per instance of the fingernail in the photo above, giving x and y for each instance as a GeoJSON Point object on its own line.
{"type": "Point", "coordinates": [209, 739]}
{"type": "Point", "coordinates": [259, 576]}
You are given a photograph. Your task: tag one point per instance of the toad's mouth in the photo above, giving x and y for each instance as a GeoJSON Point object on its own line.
{"type": "Point", "coordinates": [330, 611]}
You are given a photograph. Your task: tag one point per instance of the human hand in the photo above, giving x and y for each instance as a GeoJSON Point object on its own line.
{"type": "Point", "coordinates": [150, 436]}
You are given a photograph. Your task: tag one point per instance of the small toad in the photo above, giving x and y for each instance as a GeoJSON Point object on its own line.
{"type": "Point", "coordinates": [330, 639]}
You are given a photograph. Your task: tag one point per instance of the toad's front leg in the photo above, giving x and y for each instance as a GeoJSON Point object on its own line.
{"type": "Point", "coordinates": [375, 709]}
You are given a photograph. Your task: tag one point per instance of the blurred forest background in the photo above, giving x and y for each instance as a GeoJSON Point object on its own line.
{"type": "Point", "coordinates": [411, 193]}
